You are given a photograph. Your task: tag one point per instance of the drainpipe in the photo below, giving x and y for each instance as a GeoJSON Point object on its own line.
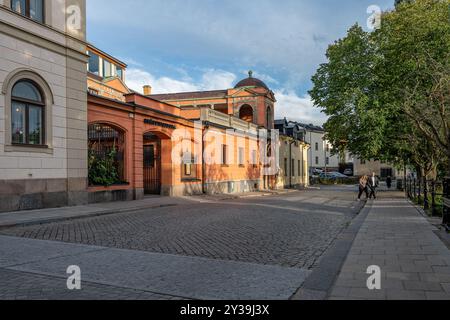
{"type": "Point", "coordinates": [203, 159]}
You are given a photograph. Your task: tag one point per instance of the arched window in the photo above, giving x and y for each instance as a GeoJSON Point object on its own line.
{"type": "Point", "coordinates": [246, 113]}
{"type": "Point", "coordinates": [106, 155]}
{"type": "Point", "coordinates": [27, 114]}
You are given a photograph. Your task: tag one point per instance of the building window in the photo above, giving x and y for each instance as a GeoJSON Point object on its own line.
{"type": "Point", "coordinates": [363, 162]}
{"type": "Point", "coordinates": [94, 63]}
{"type": "Point", "coordinates": [107, 69]}
{"type": "Point", "coordinates": [241, 157]}
{"type": "Point", "coordinates": [119, 72]}
{"type": "Point", "coordinates": [317, 146]}
{"type": "Point", "coordinates": [106, 146]}
{"type": "Point", "coordinates": [224, 155]}
{"type": "Point", "coordinates": [27, 114]}
{"type": "Point", "coordinates": [33, 9]}
{"type": "Point", "coordinates": [189, 167]}
{"type": "Point", "coordinates": [327, 160]}
{"type": "Point", "coordinates": [254, 159]}
{"type": "Point", "coordinates": [293, 168]}
{"type": "Point", "coordinates": [246, 113]}
{"type": "Point", "coordinates": [299, 168]}
{"type": "Point", "coordinates": [285, 167]}
{"type": "Point", "coordinates": [317, 160]}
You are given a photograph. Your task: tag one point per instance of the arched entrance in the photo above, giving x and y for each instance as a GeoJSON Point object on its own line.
{"type": "Point", "coordinates": [246, 113]}
{"type": "Point", "coordinates": [152, 164]}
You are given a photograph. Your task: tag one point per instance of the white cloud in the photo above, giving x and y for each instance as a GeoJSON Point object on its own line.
{"type": "Point", "coordinates": [291, 106]}
{"type": "Point", "coordinates": [211, 80]}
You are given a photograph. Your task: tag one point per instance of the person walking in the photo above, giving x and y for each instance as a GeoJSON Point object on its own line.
{"type": "Point", "coordinates": [389, 182]}
{"type": "Point", "coordinates": [363, 187]}
{"type": "Point", "coordinates": [373, 185]}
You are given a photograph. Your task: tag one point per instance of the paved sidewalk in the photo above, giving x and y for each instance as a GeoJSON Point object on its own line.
{"type": "Point", "coordinates": [414, 262]}
{"type": "Point", "coordinates": [36, 269]}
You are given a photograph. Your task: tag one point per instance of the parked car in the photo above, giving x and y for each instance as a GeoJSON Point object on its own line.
{"type": "Point", "coordinates": [332, 176]}
{"type": "Point", "coordinates": [348, 172]}
{"type": "Point", "coordinates": [317, 171]}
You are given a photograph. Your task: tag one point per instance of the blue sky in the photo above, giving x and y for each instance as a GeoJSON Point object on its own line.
{"type": "Point", "coordinates": [187, 45]}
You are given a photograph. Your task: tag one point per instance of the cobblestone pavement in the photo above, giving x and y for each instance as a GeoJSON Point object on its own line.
{"type": "Point", "coordinates": [292, 230]}
{"type": "Point", "coordinates": [414, 262]}
{"type": "Point", "coordinates": [18, 285]}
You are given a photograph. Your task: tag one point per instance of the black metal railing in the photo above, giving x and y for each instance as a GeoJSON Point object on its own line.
{"type": "Point", "coordinates": [446, 200]}
{"type": "Point", "coordinates": [429, 194]}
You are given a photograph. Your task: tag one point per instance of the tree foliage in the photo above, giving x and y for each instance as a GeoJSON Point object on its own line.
{"type": "Point", "coordinates": [387, 92]}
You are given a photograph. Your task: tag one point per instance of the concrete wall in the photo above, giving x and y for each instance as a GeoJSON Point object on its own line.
{"type": "Point", "coordinates": [54, 176]}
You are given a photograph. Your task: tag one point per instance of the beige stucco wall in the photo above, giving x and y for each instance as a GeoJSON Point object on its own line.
{"type": "Point", "coordinates": [55, 54]}
{"type": "Point", "coordinates": [292, 178]}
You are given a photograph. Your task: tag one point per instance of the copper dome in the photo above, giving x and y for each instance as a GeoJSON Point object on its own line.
{"type": "Point", "coordinates": [251, 82]}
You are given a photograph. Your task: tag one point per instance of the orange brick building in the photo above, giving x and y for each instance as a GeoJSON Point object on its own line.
{"type": "Point", "coordinates": [175, 144]}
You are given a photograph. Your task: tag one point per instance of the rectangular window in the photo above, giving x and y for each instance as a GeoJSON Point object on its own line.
{"type": "Point", "coordinates": [285, 167]}
{"type": "Point", "coordinates": [254, 158]}
{"type": "Point", "coordinates": [37, 10]}
{"type": "Point", "coordinates": [299, 167]}
{"type": "Point", "coordinates": [317, 146]}
{"type": "Point", "coordinates": [224, 155]}
{"type": "Point", "coordinates": [94, 63]}
{"type": "Point", "coordinates": [189, 168]}
{"type": "Point", "coordinates": [18, 123]}
{"type": "Point", "coordinates": [317, 160]}
{"type": "Point", "coordinates": [33, 9]}
{"type": "Point", "coordinates": [363, 162]}
{"type": "Point", "coordinates": [327, 161]}
{"type": "Point", "coordinates": [241, 157]}
{"type": "Point", "coordinates": [35, 125]}
{"type": "Point", "coordinates": [107, 69]}
{"type": "Point", "coordinates": [119, 72]}
{"type": "Point", "coordinates": [293, 168]}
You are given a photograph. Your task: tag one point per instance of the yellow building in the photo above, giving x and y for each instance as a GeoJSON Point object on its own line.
{"type": "Point", "coordinates": [293, 156]}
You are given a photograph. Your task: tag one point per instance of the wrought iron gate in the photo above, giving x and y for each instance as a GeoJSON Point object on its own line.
{"type": "Point", "coordinates": [152, 165]}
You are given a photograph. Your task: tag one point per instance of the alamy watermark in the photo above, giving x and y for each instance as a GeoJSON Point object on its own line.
{"type": "Point", "coordinates": [374, 281]}
{"type": "Point", "coordinates": [74, 279]}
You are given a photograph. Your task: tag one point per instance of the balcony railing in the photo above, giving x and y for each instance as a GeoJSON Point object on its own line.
{"type": "Point", "coordinates": [226, 120]}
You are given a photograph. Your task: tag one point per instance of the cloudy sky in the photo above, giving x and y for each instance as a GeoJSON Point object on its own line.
{"type": "Point", "coordinates": [188, 45]}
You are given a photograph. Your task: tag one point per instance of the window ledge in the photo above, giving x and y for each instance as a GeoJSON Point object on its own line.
{"type": "Point", "coordinates": [190, 180]}
{"type": "Point", "coordinates": [28, 148]}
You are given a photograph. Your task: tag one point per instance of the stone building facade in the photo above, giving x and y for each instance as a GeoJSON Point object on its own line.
{"type": "Point", "coordinates": [43, 108]}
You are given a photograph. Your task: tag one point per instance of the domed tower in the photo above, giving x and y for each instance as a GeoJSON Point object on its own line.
{"type": "Point", "coordinates": [254, 102]}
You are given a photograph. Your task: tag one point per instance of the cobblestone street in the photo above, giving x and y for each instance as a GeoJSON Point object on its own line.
{"type": "Point", "coordinates": [292, 230]}
{"type": "Point", "coordinates": [268, 245]}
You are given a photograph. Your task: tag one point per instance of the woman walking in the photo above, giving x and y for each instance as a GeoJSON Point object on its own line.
{"type": "Point", "coordinates": [363, 187]}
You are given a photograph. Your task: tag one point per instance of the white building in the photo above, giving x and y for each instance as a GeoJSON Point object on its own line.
{"type": "Point", "coordinates": [320, 156]}
{"type": "Point", "coordinates": [43, 108]}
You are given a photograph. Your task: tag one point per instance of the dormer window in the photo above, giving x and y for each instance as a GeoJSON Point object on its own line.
{"type": "Point", "coordinates": [103, 68]}
{"type": "Point", "coordinates": [33, 9]}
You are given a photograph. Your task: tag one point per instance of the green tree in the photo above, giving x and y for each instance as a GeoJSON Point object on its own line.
{"type": "Point", "coordinates": [387, 92]}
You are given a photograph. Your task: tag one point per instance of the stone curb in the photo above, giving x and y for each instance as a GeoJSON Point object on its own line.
{"type": "Point", "coordinates": [78, 217]}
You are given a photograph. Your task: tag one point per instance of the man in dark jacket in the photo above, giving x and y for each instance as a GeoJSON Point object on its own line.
{"type": "Point", "coordinates": [374, 182]}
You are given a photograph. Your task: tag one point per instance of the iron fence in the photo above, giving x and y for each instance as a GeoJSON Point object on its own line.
{"type": "Point", "coordinates": [430, 194]}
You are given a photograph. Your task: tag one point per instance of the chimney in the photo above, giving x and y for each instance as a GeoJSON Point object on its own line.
{"type": "Point", "coordinates": [147, 90]}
